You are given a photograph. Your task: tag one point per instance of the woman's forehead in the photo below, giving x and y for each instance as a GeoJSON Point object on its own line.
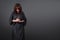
{"type": "Point", "coordinates": [17, 7]}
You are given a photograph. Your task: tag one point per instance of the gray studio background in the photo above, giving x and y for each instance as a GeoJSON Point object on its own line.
{"type": "Point", "coordinates": [43, 19]}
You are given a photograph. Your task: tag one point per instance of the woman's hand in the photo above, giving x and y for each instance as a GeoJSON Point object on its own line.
{"type": "Point", "coordinates": [18, 20]}
{"type": "Point", "coordinates": [21, 20]}
{"type": "Point", "coordinates": [14, 21]}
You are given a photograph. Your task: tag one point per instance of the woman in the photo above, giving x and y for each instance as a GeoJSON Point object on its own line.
{"type": "Point", "coordinates": [17, 20]}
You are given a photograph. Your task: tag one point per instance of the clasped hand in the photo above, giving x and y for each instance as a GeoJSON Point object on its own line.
{"type": "Point", "coordinates": [18, 20]}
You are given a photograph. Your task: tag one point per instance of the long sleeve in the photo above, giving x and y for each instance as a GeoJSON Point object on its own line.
{"type": "Point", "coordinates": [24, 18]}
{"type": "Point", "coordinates": [10, 19]}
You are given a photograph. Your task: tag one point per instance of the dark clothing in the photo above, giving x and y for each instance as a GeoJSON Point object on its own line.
{"type": "Point", "coordinates": [17, 28]}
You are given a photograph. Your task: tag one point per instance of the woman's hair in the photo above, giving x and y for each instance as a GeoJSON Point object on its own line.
{"type": "Point", "coordinates": [17, 5]}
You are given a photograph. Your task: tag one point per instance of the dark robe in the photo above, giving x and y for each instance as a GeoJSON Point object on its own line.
{"type": "Point", "coordinates": [17, 27]}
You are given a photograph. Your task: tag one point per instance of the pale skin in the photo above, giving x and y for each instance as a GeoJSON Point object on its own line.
{"type": "Point", "coordinates": [17, 19]}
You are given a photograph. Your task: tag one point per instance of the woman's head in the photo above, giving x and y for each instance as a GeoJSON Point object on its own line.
{"type": "Point", "coordinates": [17, 8]}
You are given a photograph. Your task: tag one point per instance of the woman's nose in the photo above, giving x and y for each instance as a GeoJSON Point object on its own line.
{"type": "Point", "coordinates": [17, 10]}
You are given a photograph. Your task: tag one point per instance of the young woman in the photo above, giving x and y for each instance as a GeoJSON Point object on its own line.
{"type": "Point", "coordinates": [17, 20]}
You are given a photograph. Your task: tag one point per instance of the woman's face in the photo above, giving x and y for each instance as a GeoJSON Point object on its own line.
{"type": "Point", "coordinates": [17, 10]}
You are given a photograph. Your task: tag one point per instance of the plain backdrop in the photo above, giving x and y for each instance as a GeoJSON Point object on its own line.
{"type": "Point", "coordinates": [43, 19]}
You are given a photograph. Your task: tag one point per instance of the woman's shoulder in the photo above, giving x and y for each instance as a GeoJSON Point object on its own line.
{"type": "Point", "coordinates": [12, 13]}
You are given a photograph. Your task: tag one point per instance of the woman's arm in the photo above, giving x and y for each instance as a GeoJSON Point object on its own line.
{"type": "Point", "coordinates": [17, 20]}
{"type": "Point", "coordinates": [10, 19]}
{"type": "Point", "coordinates": [24, 19]}
{"type": "Point", "coordinates": [14, 20]}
